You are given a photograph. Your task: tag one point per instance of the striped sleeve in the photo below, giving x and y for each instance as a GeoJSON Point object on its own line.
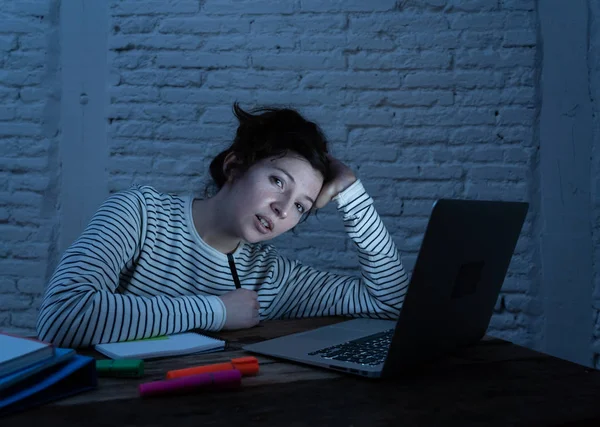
{"type": "Point", "coordinates": [378, 292]}
{"type": "Point", "coordinates": [82, 305]}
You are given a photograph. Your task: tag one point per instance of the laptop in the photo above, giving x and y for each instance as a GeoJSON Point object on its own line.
{"type": "Point", "coordinates": [456, 280]}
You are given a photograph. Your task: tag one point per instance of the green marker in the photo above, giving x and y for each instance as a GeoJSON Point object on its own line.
{"type": "Point", "coordinates": [132, 368]}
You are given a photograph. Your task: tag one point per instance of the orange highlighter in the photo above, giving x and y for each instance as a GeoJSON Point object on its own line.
{"type": "Point", "coordinates": [246, 365]}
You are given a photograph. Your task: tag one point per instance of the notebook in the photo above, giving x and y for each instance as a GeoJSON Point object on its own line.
{"type": "Point", "coordinates": [19, 352]}
{"type": "Point", "coordinates": [60, 355]}
{"type": "Point", "coordinates": [163, 346]}
{"type": "Point", "coordinates": [75, 375]}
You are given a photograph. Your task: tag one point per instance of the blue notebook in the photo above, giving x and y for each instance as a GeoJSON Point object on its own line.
{"type": "Point", "coordinates": [18, 352]}
{"type": "Point", "coordinates": [75, 375]}
{"type": "Point", "coordinates": [60, 355]}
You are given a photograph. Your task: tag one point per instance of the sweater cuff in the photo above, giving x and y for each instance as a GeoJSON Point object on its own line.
{"type": "Point", "coordinates": [351, 193]}
{"type": "Point", "coordinates": [219, 311]}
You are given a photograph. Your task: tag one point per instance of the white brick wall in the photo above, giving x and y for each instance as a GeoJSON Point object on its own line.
{"type": "Point", "coordinates": [424, 98]}
{"type": "Point", "coordinates": [29, 127]}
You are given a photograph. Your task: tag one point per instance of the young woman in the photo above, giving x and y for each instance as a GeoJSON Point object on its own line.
{"type": "Point", "coordinates": [150, 264]}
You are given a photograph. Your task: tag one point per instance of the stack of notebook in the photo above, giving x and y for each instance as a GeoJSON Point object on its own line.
{"type": "Point", "coordinates": [34, 372]}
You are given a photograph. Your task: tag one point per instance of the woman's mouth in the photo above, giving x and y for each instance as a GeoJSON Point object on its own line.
{"type": "Point", "coordinates": [265, 225]}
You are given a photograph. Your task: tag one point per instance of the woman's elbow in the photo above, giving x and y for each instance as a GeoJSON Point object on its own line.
{"type": "Point", "coordinates": [57, 325]}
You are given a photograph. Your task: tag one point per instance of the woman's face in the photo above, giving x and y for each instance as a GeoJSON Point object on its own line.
{"type": "Point", "coordinates": [272, 196]}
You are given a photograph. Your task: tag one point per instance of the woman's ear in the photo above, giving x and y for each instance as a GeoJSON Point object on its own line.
{"type": "Point", "coordinates": [231, 166]}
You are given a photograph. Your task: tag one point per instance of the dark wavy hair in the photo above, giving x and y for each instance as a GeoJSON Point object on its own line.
{"type": "Point", "coordinates": [272, 132]}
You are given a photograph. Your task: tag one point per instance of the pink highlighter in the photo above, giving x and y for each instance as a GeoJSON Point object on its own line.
{"type": "Point", "coordinates": [208, 381]}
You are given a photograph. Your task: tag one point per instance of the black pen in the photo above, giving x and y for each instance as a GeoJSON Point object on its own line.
{"type": "Point", "coordinates": [236, 279]}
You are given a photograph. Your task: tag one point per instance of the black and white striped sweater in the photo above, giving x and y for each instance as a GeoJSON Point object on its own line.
{"type": "Point", "coordinates": [140, 270]}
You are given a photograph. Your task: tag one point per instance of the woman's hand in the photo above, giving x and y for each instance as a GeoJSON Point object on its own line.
{"type": "Point", "coordinates": [241, 307]}
{"type": "Point", "coordinates": [343, 177]}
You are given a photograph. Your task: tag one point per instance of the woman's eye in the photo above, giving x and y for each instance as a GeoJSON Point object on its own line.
{"type": "Point", "coordinates": [300, 208]}
{"type": "Point", "coordinates": [277, 181]}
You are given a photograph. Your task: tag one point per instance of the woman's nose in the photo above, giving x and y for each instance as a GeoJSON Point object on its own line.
{"type": "Point", "coordinates": [280, 208]}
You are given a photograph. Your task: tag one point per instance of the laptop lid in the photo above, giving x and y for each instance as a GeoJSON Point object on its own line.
{"type": "Point", "coordinates": [461, 266]}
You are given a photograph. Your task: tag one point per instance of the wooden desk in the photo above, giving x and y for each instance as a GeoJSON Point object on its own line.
{"type": "Point", "coordinates": [493, 383]}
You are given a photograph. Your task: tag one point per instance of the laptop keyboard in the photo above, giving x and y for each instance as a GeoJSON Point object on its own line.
{"type": "Point", "coordinates": [370, 350]}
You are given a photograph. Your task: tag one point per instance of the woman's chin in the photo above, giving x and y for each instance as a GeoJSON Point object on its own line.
{"type": "Point", "coordinates": [255, 239]}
